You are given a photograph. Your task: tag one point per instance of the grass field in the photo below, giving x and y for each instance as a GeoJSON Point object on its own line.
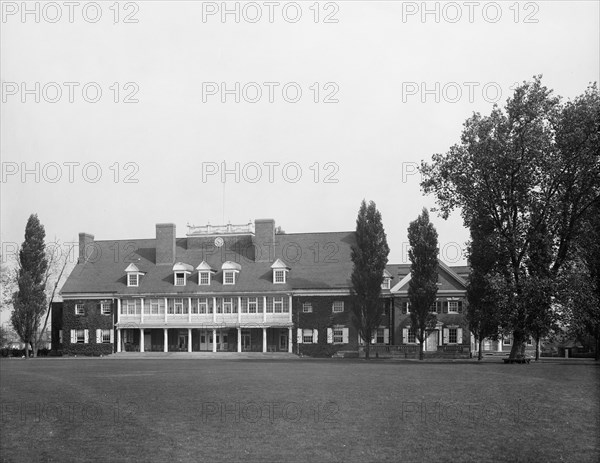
{"type": "Point", "coordinates": [300, 410]}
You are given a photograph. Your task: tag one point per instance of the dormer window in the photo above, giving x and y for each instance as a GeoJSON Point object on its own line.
{"type": "Point", "coordinates": [387, 278]}
{"type": "Point", "coordinates": [230, 271]}
{"type": "Point", "coordinates": [280, 271]}
{"type": "Point", "coordinates": [133, 275]}
{"type": "Point", "coordinates": [204, 273]}
{"type": "Point", "coordinates": [180, 273]}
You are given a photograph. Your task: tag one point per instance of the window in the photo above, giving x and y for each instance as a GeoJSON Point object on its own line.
{"type": "Point", "coordinates": [452, 335]}
{"type": "Point", "coordinates": [132, 279]}
{"type": "Point", "coordinates": [278, 303]}
{"type": "Point", "coordinates": [202, 305]}
{"type": "Point", "coordinates": [205, 278]}
{"type": "Point", "coordinates": [279, 276]}
{"type": "Point", "coordinates": [79, 310]}
{"type": "Point", "coordinates": [105, 308]}
{"type": "Point", "coordinates": [529, 342]}
{"type": "Point", "coordinates": [406, 307]}
{"type": "Point", "coordinates": [412, 338]}
{"type": "Point", "coordinates": [307, 307]}
{"type": "Point", "coordinates": [106, 336]}
{"type": "Point", "coordinates": [452, 307]}
{"type": "Point", "coordinates": [338, 335]}
{"type": "Point", "coordinates": [436, 307]}
{"type": "Point", "coordinates": [131, 307]}
{"type": "Point", "coordinates": [252, 305]}
{"type": "Point", "coordinates": [307, 336]}
{"type": "Point", "coordinates": [338, 306]}
{"type": "Point", "coordinates": [179, 278]}
{"type": "Point", "coordinates": [380, 336]}
{"type": "Point", "coordinates": [227, 305]}
{"type": "Point", "coordinates": [178, 305]}
{"type": "Point", "coordinates": [386, 283]}
{"type": "Point", "coordinates": [80, 334]}
{"type": "Point", "coordinates": [229, 277]}
{"type": "Point", "coordinates": [153, 307]}
{"type": "Point", "coordinates": [506, 341]}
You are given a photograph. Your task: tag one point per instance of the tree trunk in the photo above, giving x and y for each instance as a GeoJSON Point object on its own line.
{"type": "Point", "coordinates": [480, 353]}
{"type": "Point", "coordinates": [537, 349]}
{"type": "Point", "coordinates": [597, 344]}
{"type": "Point", "coordinates": [367, 349]}
{"type": "Point", "coordinates": [518, 347]}
{"type": "Point", "coordinates": [420, 350]}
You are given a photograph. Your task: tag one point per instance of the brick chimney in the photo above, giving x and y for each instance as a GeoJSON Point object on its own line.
{"type": "Point", "coordinates": [85, 247]}
{"type": "Point", "coordinates": [264, 237]}
{"type": "Point", "coordinates": [165, 243]}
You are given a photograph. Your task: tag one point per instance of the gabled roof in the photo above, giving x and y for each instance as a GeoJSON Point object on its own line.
{"type": "Point", "coordinates": [203, 267]}
{"type": "Point", "coordinates": [132, 268]}
{"type": "Point", "coordinates": [231, 266]}
{"type": "Point", "coordinates": [279, 264]}
{"type": "Point", "coordinates": [448, 278]}
{"type": "Point", "coordinates": [318, 261]}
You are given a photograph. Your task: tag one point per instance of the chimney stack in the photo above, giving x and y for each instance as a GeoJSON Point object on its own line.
{"type": "Point", "coordinates": [85, 247]}
{"type": "Point", "coordinates": [165, 243]}
{"type": "Point", "coordinates": [264, 239]}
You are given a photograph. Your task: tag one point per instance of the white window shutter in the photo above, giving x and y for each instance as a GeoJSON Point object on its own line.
{"type": "Point", "coordinates": [446, 335]}
{"type": "Point", "coordinates": [459, 336]}
{"type": "Point", "coordinates": [374, 338]}
{"type": "Point", "coordinates": [86, 336]}
{"type": "Point", "coordinates": [404, 335]}
{"type": "Point", "coordinates": [360, 340]}
{"type": "Point", "coordinates": [345, 335]}
{"type": "Point", "coordinates": [329, 336]}
{"type": "Point", "coordinates": [98, 336]}
{"type": "Point", "coordinates": [299, 336]}
{"type": "Point", "coordinates": [60, 340]}
{"type": "Point", "coordinates": [386, 336]}
{"type": "Point", "coordinates": [112, 337]}
{"type": "Point", "coordinates": [315, 336]}
{"type": "Point", "coordinates": [73, 337]}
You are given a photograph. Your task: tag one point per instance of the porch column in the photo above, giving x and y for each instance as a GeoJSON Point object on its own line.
{"type": "Point", "coordinates": [264, 309]}
{"type": "Point", "coordinates": [190, 313]}
{"type": "Point", "coordinates": [118, 339]}
{"type": "Point", "coordinates": [166, 340]}
{"type": "Point", "coordinates": [214, 346]}
{"type": "Point", "coordinates": [239, 310]}
{"type": "Point", "coordinates": [239, 339]}
{"type": "Point", "coordinates": [189, 339]}
{"type": "Point", "coordinates": [166, 309]}
{"type": "Point", "coordinates": [141, 339]}
{"type": "Point", "coordinates": [290, 340]}
{"type": "Point", "coordinates": [118, 309]}
{"type": "Point", "coordinates": [264, 339]}
{"type": "Point", "coordinates": [142, 313]}
{"type": "Point", "coordinates": [214, 312]}
{"type": "Point", "coordinates": [290, 306]}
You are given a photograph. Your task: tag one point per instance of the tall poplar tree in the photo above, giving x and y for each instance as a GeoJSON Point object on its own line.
{"type": "Point", "coordinates": [369, 256]}
{"type": "Point", "coordinates": [422, 287]}
{"type": "Point", "coordinates": [29, 301]}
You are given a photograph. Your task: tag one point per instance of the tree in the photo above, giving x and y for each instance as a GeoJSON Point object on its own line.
{"type": "Point", "coordinates": [482, 293]}
{"type": "Point", "coordinates": [29, 301]}
{"type": "Point", "coordinates": [369, 256]}
{"type": "Point", "coordinates": [533, 170]}
{"type": "Point", "coordinates": [422, 287]}
{"type": "Point", "coordinates": [7, 284]}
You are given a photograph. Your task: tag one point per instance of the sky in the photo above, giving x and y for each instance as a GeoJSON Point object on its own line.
{"type": "Point", "coordinates": [118, 116]}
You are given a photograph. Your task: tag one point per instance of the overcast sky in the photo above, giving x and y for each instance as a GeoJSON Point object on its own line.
{"type": "Point", "coordinates": [383, 86]}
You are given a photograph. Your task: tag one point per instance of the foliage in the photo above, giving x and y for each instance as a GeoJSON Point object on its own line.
{"type": "Point", "coordinates": [533, 171]}
{"type": "Point", "coordinates": [369, 256]}
{"type": "Point", "coordinates": [422, 288]}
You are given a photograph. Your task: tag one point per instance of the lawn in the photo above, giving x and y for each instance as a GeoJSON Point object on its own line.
{"type": "Point", "coordinates": [303, 410]}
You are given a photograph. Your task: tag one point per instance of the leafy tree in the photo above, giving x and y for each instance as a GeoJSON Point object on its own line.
{"type": "Point", "coordinates": [369, 256]}
{"type": "Point", "coordinates": [422, 287]}
{"type": "Point", "coordinates": [482, 286]}
{"type": "Point", "coordinates": [29, 301]}
{"type": "Point", "coordinates": [7, 284]}
{"type": "Point", "coordinates": [533, 170]}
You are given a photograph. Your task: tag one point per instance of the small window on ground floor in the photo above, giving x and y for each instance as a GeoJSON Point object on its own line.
{"type": "Point", "coordinates": [452, 335]}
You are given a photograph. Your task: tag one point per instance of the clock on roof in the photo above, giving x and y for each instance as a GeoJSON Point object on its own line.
{"type": "Point", "coordinates": [219, 241]}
